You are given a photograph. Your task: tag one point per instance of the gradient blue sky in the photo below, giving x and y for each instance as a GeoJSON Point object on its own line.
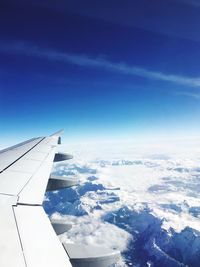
{"type": "Point", "coordinates": [99, 69]}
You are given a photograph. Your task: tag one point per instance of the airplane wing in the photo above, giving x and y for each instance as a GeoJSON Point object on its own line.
{"type": "Point", "coordinates": [27, 238]}
{"type": "Point", "coordinates": [26, 234]}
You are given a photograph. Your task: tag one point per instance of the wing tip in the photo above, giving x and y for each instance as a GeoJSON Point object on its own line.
{"type": "Point", "coordinates": [58, 133]}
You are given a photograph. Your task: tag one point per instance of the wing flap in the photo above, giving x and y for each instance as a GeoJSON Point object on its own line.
{"type": "Point", "coordinates": [12, 182]}
{"type": "Point", "coordinates": [11, 253]}
{"type": "Point", "coordinates": [35, 155]}
{"type": "Point", "coordinates": [25, 165]}
{"type": "Point", "coordinates": [29, 167]}
{"type": "Point", "coordinates": [33, 192]}
{"type": "Point", "coordinates": [40, 243]}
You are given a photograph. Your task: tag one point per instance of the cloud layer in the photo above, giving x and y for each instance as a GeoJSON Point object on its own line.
{"type": "Point", "coordinates": [146, 206]}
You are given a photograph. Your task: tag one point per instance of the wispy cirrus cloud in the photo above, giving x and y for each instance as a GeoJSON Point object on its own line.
{"type": "Point", "coordinates": [189, 94]}
{"type": "Point", "coordinates": [97, 62]}
{"type": "Point", "coordinates": [195, 3]}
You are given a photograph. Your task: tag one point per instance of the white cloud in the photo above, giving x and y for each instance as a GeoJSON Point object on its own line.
{"type": "Point", "coordinates": [98, 62]}
{"type": "Point", "coordinates": [143, 195]}
{"type": "Point", "coordinates": [89, 230]}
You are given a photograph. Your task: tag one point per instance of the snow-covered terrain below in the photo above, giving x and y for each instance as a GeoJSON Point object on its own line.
{"type": "Point", "coordinates": [145, 204]}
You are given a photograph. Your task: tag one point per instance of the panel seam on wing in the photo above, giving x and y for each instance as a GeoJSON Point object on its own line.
{"type": "Point", "coordinates": [19, 236]}
{"type": "Point", "coordinates": [22, 155]}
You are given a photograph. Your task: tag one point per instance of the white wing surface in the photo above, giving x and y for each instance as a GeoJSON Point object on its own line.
{"type": "Point", "coordinates": [27, 238]}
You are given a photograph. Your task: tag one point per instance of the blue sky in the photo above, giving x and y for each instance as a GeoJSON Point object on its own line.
{"type": "Point", "coordinates": [99, 69]}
